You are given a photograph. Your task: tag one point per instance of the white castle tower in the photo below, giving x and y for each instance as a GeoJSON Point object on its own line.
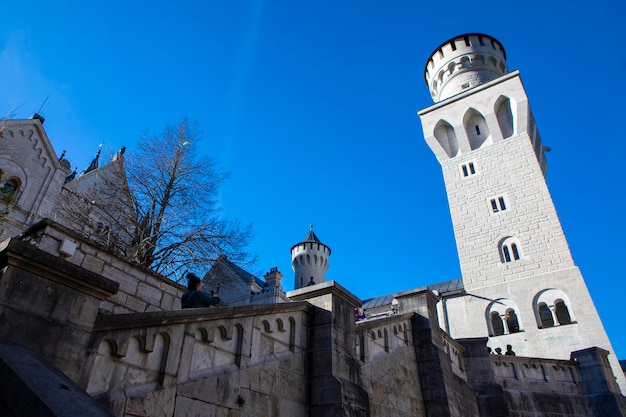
{"type": "Point", "coordinates": [521, 286]}
{"type": "Point", "coordinates": [309, 260]}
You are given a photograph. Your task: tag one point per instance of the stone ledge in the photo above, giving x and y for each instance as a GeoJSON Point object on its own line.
{"type": "Point", "coordinates": [29, 386]}
{"type": "Point", "coordinates": [160, 318]}
{"type": "Point", "coordinates": [21, 254]}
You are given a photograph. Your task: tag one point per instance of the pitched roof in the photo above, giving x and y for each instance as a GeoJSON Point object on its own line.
{"type": "Point", "coordinates": [440, 287]}
{"type": "Point", "coordinates": [310, 237]}
{"type": "Point", "coordinates": [225, 268]}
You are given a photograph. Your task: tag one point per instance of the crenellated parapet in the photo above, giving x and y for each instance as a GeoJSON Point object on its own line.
{"type": "Point", "coordinates": [462, 63]}
{"type": "Point", "coordinates": [142, 352]}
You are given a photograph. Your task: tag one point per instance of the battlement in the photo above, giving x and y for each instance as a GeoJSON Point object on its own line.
{"type": "Point", "coordinates": [463, 62]}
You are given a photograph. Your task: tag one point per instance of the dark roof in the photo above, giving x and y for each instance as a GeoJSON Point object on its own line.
{"type": "Point", "coordinates": [441, 288]}
{"type": "Point", "coordinates": [93, 164]}
{"type": "Point", "coordinates": [310, 237]}
{"type": "Point", "coordinates": [447, 286]}
{"type": "Point", "coordinates": [382, 300]}
{"type": "Point", "coordinates": [224, 267]}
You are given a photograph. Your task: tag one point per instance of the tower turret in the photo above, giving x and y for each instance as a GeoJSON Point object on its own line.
{"type": "Point", "coordinates": [523, 287]}
{"type": "Point", "coordinates": [309, 260]}
{"type": "Point", "coordinates": [462, 63]}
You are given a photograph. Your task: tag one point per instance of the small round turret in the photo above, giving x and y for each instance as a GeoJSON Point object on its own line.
{"type": "Point", "coordinates": [309, 260]}
{"type": "Point", "coordinates": [462, 63]}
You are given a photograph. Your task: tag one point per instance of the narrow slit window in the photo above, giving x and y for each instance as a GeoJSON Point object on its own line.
{"type": "Point", "coordinates": [507, 254]}
{"type": "Point", "coordinates": [498, 204]}
{"type": "Point", "coordinates": [468, 169]}
{"type": "Point", "coordinates": [515, 251]}
{"type": "Point", "coordinates": [477, 130]}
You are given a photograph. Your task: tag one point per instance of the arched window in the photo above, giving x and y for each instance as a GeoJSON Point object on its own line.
{"type": "Point", "coordinates": [10, 189]}
{"type": "Point", "coordinates": [562, 312]}
{"type": "Point", "coordinates": [496, 324]}
{"type": "Point", "coordinates": [502, 317]}
{"type": "Point", "coordinates": [551, 309]}
{"type": "Point", "coordinates": [476, 129]}
{"type": "Point", "coordinates": [504, 115]}
{"type": "Point", "coordinates": [444, 133]}
{"type": "Point", "coordinates": [506, 253]}
{"type": "Point", "coordinates": [511, 321]}
{"type": "Point", "coordinates": [509, 250]}
{"type": "Point", "coordinates": [451, 67]}
{"type": "Point", "coordinates": [515, 251]}
{"type": "Point", "coordinates": [545, 315]}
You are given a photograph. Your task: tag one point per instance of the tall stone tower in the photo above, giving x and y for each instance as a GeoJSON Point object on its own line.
{"type": "Point", "coordinates": [521, 284]}
{"type": "Point", "coordinates": [309, 260]}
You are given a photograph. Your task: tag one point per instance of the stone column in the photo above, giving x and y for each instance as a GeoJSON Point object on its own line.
{"type": "Point", "coordinates": [334, 369]}
{"type": "Point", "coordinates": [599, 381]}
{"type": "Point", "coordinates": [49, 304]}
{"type": "Point", "coordinates": [477, 363]}
{"type": "Point", "coordinates": [443, 393]}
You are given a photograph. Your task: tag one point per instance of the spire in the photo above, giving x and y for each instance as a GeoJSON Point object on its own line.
{"type": "Point", "coordinates": [311, 237]}
{"type": "Point", "coordinates": [94, 163]}
{"type": "Point", "coordinates": [71, 176]}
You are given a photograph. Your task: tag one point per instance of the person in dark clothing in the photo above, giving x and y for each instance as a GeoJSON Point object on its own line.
{"type": "Point", "coordinates": [509, 350]}
{"type": "Point", "coordinates": [195, 298]}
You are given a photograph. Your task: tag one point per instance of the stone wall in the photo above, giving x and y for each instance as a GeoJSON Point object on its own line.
{"type": "Point", "coordinates": [140, 290]}
{"type": "Point", "coordinates": [304, 358]}
{"type": "Point", "coordinates": [249, 361]}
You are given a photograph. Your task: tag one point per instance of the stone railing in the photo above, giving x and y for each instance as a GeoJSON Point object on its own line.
{"type": "Point", "coordinates": [384, 335]}
{"type": "Point", "coordinates": [455, 352]}
{"type": "Point", "coordinates": [522, 373]}
{"type": "Point", "coordinates": [141, 352]}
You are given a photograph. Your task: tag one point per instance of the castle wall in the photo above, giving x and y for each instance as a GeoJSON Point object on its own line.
{"type": "Point", "coordinates": [248, 360]}
{"type": "Point", "coordinates": [140, 290]}
{"type": "Point", "coordinates": [28, 156]}
{"type": "Point", "coordinates": [288, 359]}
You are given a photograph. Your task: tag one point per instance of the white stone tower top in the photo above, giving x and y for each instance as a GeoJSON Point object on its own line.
{"type": "Point", "coordinates": [309, 260]}
{"type": "Point", "coordinates": [464, 62]}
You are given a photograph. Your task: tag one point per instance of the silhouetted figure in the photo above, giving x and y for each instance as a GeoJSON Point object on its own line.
{"type": "Point", "coordinates": [195, 298]}
{"type": "Point", "coordinates": [509, 350]}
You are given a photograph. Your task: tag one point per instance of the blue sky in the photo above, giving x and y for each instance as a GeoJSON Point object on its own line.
{"type": "Point", "coordinates": [311, 106]}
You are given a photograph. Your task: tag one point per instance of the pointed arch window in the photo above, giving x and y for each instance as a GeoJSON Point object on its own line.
{"type": "Point", "coordinates": [445, 135]}
{"type": "Point", "coordinates": [476, 129]}
{"type": "Point", "coordinates": [504, 115]}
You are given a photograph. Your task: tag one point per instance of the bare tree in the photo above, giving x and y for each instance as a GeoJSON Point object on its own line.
{"type": "Point", "coordinates": [174, 190]}
{"type": "Point", "coordinates": [159, 207]}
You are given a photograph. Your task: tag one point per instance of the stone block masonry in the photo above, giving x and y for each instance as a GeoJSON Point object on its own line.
{"type": "Point", "coordinates": [140, 289]}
